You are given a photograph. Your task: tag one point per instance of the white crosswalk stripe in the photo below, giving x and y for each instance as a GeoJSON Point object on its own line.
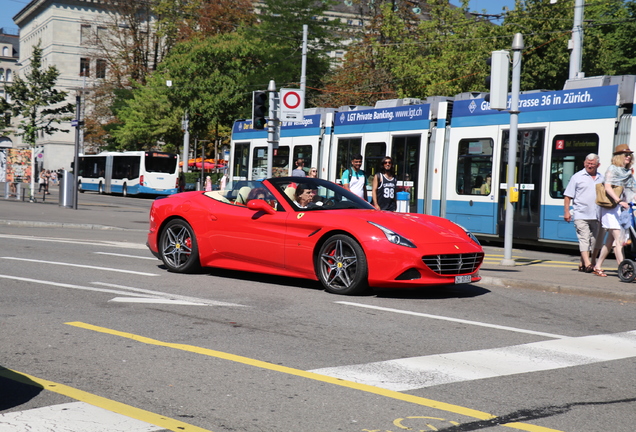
{"type": "Point", "coordinates": [427, 371]}
{"type": "Point", "coordinates": [72, 417]}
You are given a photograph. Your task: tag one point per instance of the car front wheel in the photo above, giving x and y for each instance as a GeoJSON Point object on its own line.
{"type": "Point", "coordinates": [178, 247]}
{"type": "Point", "coordinates": [341, 266]}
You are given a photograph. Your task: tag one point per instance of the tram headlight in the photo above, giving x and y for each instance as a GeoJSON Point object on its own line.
{"type": "Point", "coordinates": [393, 237]}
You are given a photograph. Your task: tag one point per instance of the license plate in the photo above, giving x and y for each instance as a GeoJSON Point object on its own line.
{"type": "Point", "coordinates": [462, 279]}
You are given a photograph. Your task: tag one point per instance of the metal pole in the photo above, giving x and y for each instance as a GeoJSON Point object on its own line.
{"type": "Point", "coordinates": [186, 141]}
{"type": "Point", "coordinates": [78, 103]}
{"type": "Point", "coordinates": [576, 55]}
{"type": "Point", "coordinates": [273, 126]}
{"type": "Point", "coordinates": [517, 46]}
{"type": "Point", "coordinates": [303, 70]}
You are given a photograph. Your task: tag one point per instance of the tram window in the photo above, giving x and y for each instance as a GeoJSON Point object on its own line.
{"type": "Point", "coordinates": [373, 155]}
{"type": "Point", "coordinates": [241, 155]}
{"type": "Point", "coordinates": [302, 152]}
{"type": "Point", "coordinates": [280, 162]}
{"type": "Point", "coordinates": [568, 154]}
{"type": "Point", "coordinates": [474, 165]}
{"type": "Point", "coordinates": [347, 148]}
{"type": "Point", "coordinates": [259, 163]}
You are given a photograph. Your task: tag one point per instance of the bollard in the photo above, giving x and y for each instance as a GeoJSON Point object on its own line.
{"type": "Point", "coordinates": [67, 197]}
{"type": "Point", "coordinates": [403, 202]}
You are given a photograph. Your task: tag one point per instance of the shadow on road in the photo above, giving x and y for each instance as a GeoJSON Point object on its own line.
{"type": "Point", "coordinates": [16, 389]}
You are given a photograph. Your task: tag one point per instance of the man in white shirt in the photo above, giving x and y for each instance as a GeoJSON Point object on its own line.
{"type": "Point", "coordinates": [581, 190]}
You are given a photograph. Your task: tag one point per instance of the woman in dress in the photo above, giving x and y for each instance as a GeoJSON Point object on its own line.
{"type": "Point", "coordinates": [619, 173]}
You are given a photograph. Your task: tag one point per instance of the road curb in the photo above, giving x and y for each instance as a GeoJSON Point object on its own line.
{"type": "Point", "coordinates": [559, 289]}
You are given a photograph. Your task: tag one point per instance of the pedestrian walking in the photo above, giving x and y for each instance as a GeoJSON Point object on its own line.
{"type": "Point", "coordinates": [581, 192]}
{"type": "Point", "coordinates": [619, 173]}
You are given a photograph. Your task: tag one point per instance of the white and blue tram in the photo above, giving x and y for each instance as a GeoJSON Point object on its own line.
{"type": "Point", "coordinates": [446, 148]}
{"type": "Point", "coordinates": [557, 129]}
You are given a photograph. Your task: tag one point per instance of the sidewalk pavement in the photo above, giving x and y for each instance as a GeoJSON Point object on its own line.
{"type": "Point", "coordinates": [545, 270]}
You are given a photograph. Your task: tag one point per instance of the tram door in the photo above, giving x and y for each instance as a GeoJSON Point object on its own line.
{"type": "Point", "coordinates": [405, 152]}
{"type": "Point", "coordinates": [529, 162]}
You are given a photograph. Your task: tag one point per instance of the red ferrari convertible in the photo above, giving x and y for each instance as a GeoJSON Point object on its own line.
{"type": "Point", "coordinates": [314, 229]}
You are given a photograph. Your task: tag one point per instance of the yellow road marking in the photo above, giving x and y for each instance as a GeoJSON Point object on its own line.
{"type": "Point", "coordinates": [456, 409]}
{"type": "Point", "coordinates": [101, 402]}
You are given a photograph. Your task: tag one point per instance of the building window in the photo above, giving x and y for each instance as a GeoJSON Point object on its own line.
{"type": "Point", "coordinates": [1, 74]}
{"type": "Point", "coordinates": [101, 34]}
{"type": "Point", "coordinates": [9, 75]}
{"type": "Point", "coordinates": [85, 35]}
{"type": "Point", "coordinates": [5, 52]}
{"type": "Point", "coordinates": [85, 67]}
{"type": "Point", "coordinates": [100, 68]}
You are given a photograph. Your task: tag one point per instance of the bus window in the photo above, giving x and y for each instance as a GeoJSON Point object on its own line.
{"type": "Point", "coordinates": [373, 155]}
{"type": "Point", "coordinates": [280, 163]}
{"type": "Point", "coordinates": [568, 154]}
{"type": "Point", "coordinates": [474, 164]}
{"type": "Point", "coordinates": [302, 152]}
{"type": "Point", "coordinates": [347, 148]}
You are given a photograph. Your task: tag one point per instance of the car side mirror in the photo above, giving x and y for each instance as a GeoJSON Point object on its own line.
{"type": "Point", "coordinates": [259, 204]}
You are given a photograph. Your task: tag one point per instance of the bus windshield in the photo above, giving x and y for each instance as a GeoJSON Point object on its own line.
{"type": "Point", "coordinates": [161, 162]}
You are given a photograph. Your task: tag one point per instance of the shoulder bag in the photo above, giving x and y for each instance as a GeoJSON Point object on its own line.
{"type": "Point", "coordinates": [602, 200]}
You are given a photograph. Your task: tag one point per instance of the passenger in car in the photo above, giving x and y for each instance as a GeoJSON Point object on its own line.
{"type": "Point", "coordinates": [303, 196]}
{"type": "Point", "coordinates": [257, 193]}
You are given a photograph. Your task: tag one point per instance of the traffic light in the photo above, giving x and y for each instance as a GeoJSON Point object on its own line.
{"type": "Point", "coordinates": [497, 81]}
{"type": "Point", "coordinates": [259, 109]}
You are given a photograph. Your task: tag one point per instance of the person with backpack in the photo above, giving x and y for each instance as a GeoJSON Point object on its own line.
{"type": "Point", "coordinates": [354, 179]}
{"type": "Point", "coordinates": [384, 186]}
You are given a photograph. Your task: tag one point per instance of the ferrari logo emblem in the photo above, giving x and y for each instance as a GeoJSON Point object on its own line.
{"type": "Point", "coordinates": [300, 215]}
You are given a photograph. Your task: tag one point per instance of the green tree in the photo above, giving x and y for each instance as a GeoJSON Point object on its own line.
{"type": "Point", "coordinates": [5, 115]}
{"type": "Point", "coordinates": [281, 33]}
{"type": "Point", "coordinates": [609, 42]}
{"type": "Point", "coordinates": [212, 79]}
{"type": "Point", "coordinates": [37, 103]}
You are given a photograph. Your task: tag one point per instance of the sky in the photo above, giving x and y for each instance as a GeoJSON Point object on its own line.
{"type": "Point", "coordinates": [9, 8]}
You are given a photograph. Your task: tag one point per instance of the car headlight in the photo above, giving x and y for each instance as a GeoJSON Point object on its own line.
{"type": "Point", "coordinates": [393, 237]}
{"type": "Point", "coordinates": [469, 234]}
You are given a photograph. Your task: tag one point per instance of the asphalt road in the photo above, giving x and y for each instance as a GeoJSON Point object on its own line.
{"type": "Point", "coordinates": [98, 336]}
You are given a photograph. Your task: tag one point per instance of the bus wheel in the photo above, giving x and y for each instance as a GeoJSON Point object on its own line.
{"type": "Point", "coordinates": [100, 188]}
{"type": "Point", "coordinates": [79, 187]}
{"type": "Point", "coordinates": [124, 190]}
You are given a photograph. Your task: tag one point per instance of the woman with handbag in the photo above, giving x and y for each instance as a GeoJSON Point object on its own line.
{"type": "Point", "coordinates": [619, 174]}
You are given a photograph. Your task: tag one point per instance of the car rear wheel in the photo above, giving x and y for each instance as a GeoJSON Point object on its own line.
{"type": "Point", "coordinates": [178, 247]}
{"type": "Point", "coordinates": [341, 266]}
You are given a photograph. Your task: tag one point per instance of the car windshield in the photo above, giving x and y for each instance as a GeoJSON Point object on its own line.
{"type": "Point", "coordinates": [317, 194]}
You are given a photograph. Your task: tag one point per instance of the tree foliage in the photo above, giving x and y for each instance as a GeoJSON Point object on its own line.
{"type": "Point", "coordinates": [212, 79]}
{"type": "Point", "coordinates": [36, 101]}
{"type": "Point", "coordinates": [609, 41]}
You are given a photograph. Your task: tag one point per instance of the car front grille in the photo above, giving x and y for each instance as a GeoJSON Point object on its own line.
{"type": "Point", "coordinates": [454, 264]}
